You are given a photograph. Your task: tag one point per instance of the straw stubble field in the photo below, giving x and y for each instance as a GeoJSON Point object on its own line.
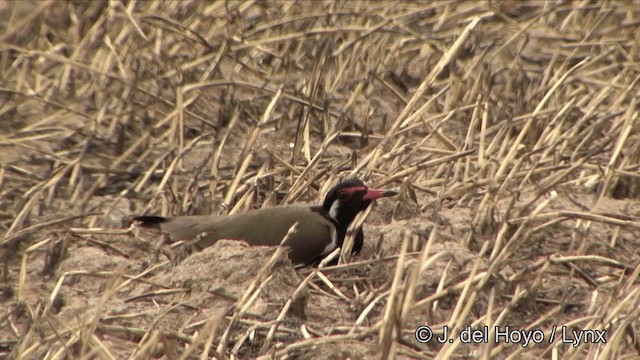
{"type": "Point", "coordinates": [510, 129]}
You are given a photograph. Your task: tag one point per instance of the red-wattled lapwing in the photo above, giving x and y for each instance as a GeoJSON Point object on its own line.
{"type": "Point", "coordinates": [321, 228]}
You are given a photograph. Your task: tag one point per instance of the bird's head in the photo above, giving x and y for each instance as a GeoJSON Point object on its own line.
{"type": "Point", "coordinates": [345, 200]}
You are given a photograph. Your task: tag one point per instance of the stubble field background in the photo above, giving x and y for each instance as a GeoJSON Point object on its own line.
{"type": "Point", "coordinates": [510, 129]}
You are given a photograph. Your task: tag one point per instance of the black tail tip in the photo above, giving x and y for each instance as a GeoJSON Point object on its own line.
{"type": "Point", "coordinates": [150, 220]}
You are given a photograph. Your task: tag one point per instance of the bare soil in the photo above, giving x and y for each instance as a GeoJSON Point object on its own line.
{"type": "Point", "coordinates": [510, 129]}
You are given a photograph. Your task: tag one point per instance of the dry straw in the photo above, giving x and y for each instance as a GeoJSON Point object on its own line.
{"type": "Point", "coordinates": [510, 127]}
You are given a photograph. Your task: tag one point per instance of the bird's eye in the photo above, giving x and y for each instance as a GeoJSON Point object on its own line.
{"type": "Point", "coordinates": [344, 195]}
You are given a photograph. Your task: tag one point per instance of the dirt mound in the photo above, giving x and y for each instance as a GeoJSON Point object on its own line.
{"type": "Point", "coordinates": [509, 128]}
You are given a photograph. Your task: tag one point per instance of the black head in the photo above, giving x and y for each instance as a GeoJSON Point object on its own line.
{"type": "Point", "coordinates": [345, 200]}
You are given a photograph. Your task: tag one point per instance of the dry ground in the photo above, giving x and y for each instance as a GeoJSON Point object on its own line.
{"type": "Point", "coordinates": [510, 128]}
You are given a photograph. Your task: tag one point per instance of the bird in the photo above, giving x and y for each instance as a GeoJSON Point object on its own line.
{"type": "Point", "coordinates": [321, 228]}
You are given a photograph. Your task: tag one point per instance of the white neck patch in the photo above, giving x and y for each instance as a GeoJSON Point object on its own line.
{"type": "Point", "coordinates": [334, 241]}
{"type": "Point", "coordinates": [333, 211]}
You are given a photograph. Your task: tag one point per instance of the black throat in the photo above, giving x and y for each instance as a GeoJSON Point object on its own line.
{"type": "Point", "coordinates": [341, 229]}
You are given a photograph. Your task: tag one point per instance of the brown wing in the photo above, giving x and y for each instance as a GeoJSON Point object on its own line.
{"type": "Point", "coordinates": [266, 227]}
